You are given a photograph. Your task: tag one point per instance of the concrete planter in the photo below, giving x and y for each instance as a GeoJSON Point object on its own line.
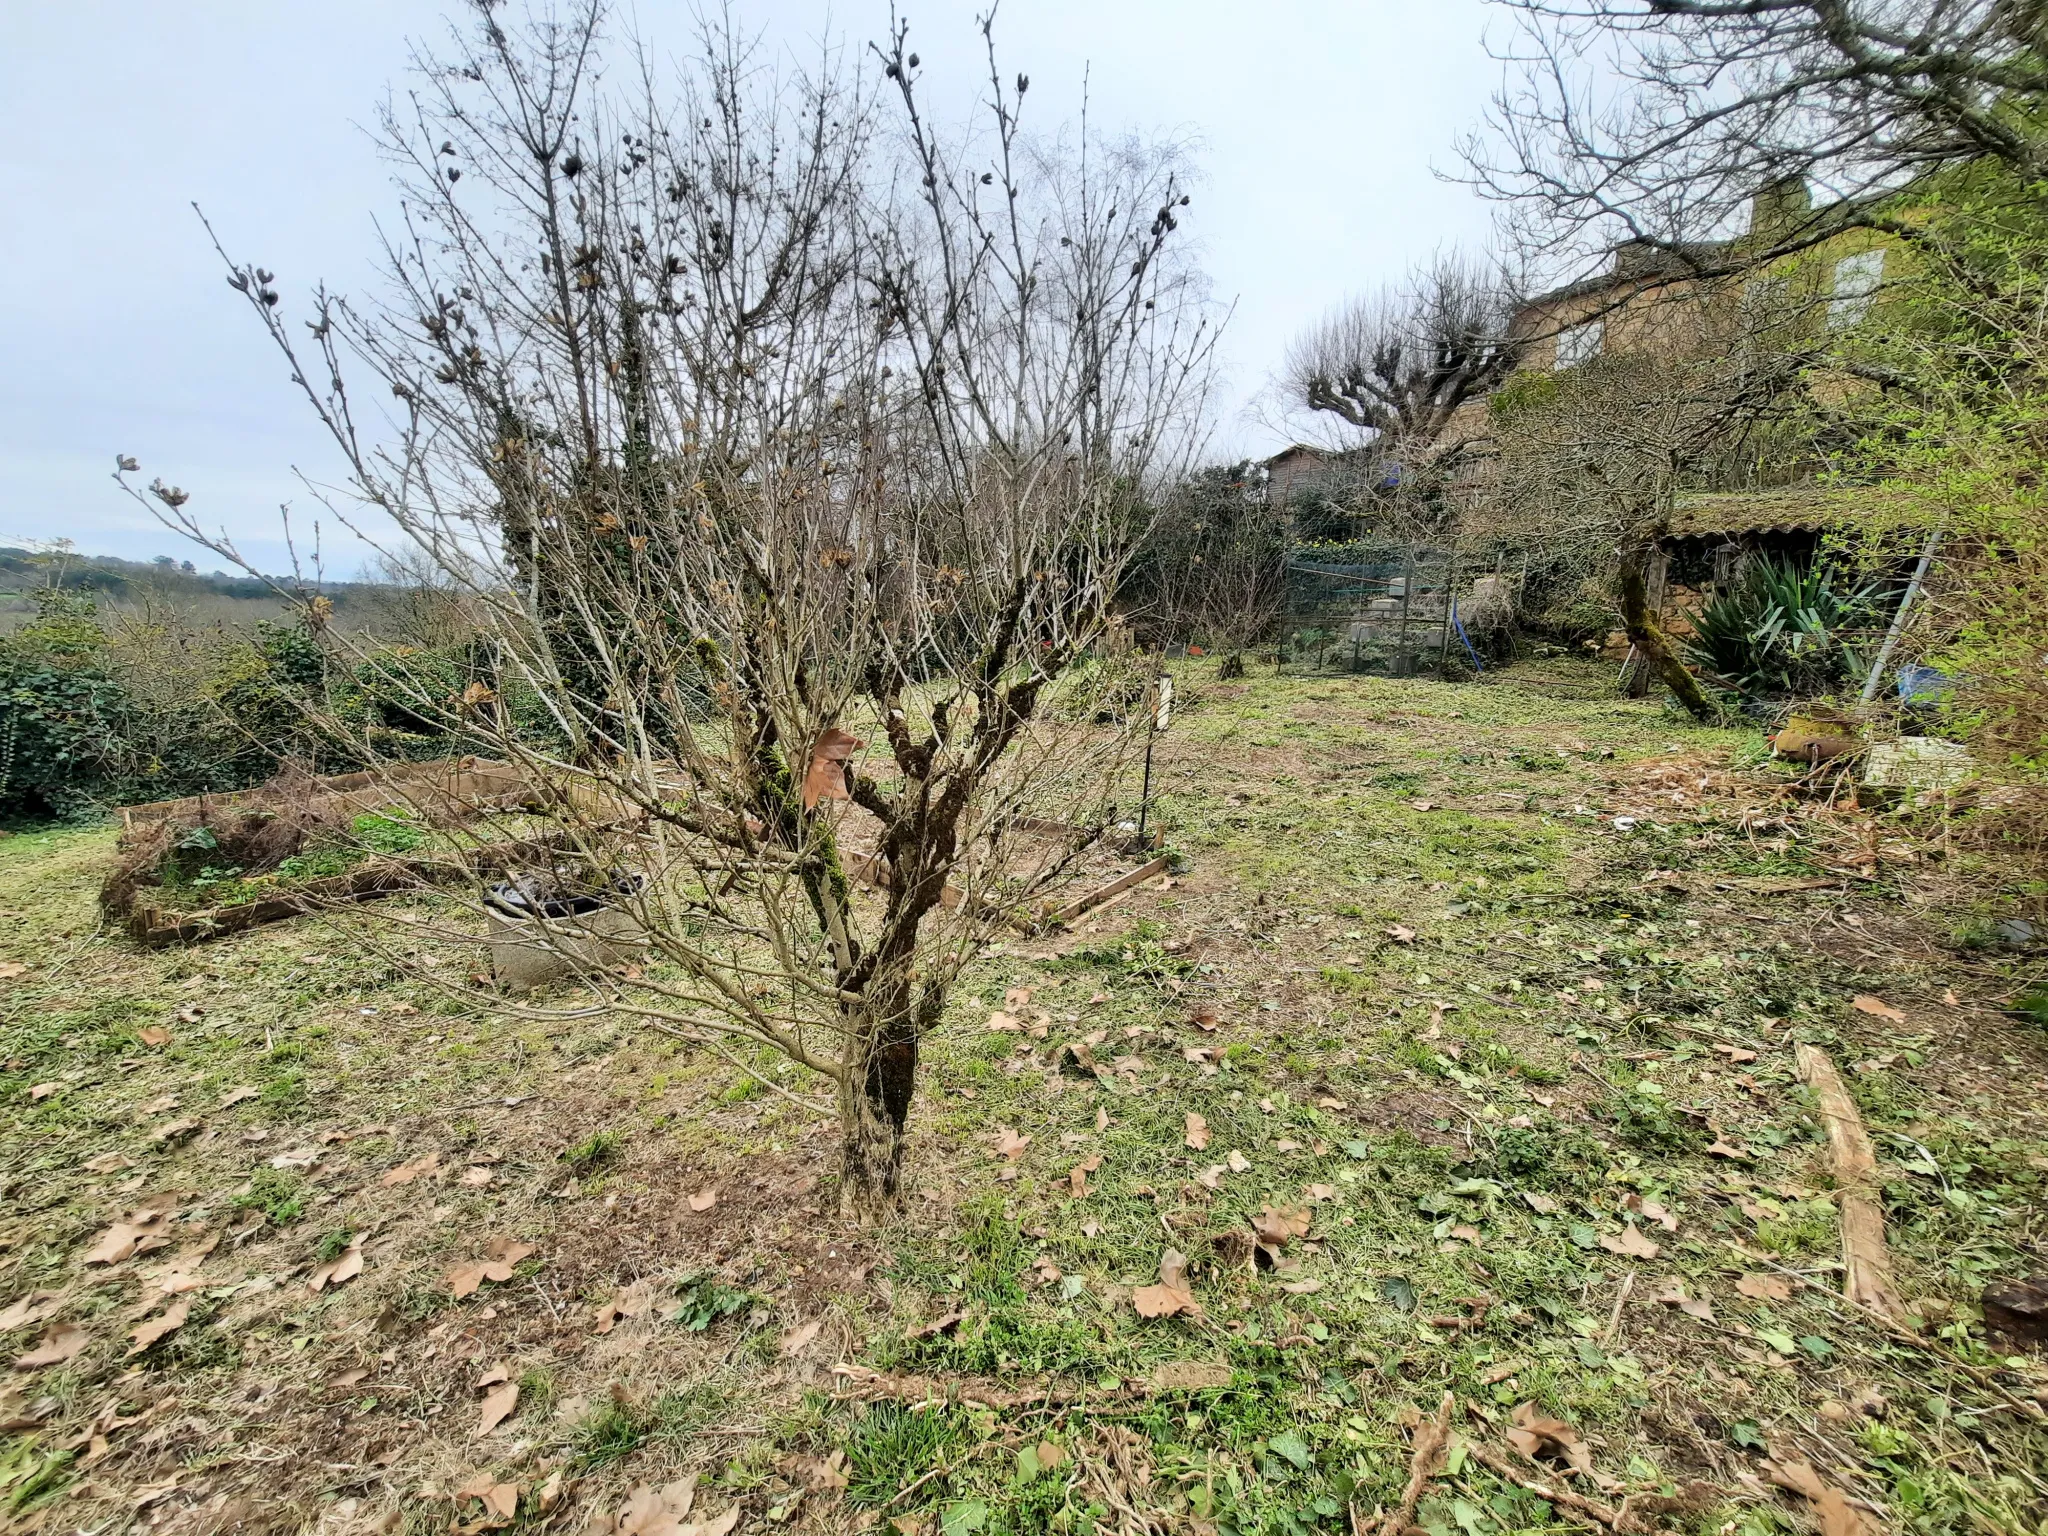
{"type": "Point", "coordinates": [537, 942]}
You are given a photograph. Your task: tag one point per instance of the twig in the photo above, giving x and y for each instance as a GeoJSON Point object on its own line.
{"type": "Point", "coordinates": [1576, 1504]}
{"type": "Point", "coordinates": [1432, 1437]}
{"type": "Point", "coordinates": [1628, 1283]}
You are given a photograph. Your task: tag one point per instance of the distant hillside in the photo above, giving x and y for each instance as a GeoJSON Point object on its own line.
{"type": "Point", "coordinates": [134, 583]}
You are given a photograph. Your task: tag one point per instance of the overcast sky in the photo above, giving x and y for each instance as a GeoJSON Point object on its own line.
{"type": "Point", "coordinates": [1318, 125]}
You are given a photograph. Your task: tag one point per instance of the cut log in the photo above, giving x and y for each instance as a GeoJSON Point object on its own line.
{"type": "Point", "coordinates": [1866, 1263]}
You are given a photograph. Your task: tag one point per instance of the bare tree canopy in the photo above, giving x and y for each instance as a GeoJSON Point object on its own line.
{"type": "Point", "coordinates": [1657, 120]}
{"type": "Point", "coordinates": [755, 434]}
{"type": "Point", "coordinates": [1396, 366]}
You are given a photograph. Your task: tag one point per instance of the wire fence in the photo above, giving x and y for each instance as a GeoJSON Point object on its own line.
{"type": "Point", "coordinates": [1388, 610]}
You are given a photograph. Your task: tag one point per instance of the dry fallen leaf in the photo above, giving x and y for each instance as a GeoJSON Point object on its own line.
{"type": "Point", "coordinates": [1672, 1294]}
{"type": "Point", "coordinates": [419, 1167]}
{"type": "Point", "coordinates": [1009, 1145]}
{"type": "Point", "coordinates": [235, 1096]}
{"type": "Point", "coordinates": [497, 1406]}
{"type": "Point", "coordinates": [1837, 1516]}
{"type": "Point", "coordinates": [1017, 997]}
{"type": "Point", "coordinates": [1542, 1205]}
{"type": "Point", "coordinates": [42, 1091]}
{"type": "Point", "coordinates": [704, 1199]}
{"type": "Point", "coordinates": [827, 776]}
{"type": "Point", "coordinates": [124, 1239]}
{"type": "Point", "coordinates": [155, 1034]}
{"type": "Point", "coordinates": [169, 1321]}
{"type": "Point", "coordinates": [797, 1340]}
{"type": "Point", "coordinates": [1197, 1131]}
{"type": "Point", "coordinates": [1239, 1163]}
{"type": "Point", "coordinates": [1172, 1294]}
{"type": "Point", "coordinates": [9, 969]}
{"type": "Point", "coordinates": [500, 1500]}
{"type": "Point", "coordinates": [500, 1255]}
{"type": "Point", "coordinates": [340, 1269]}
{"type": "Point", "coordinates": [1276, 1227]}
{"type": "Point", "coordinates": [1631, 1243]}
{"type": "Point", "coordinates": [476, 1178]}
{"type": "Point", "coordinates": [1765, 1287]}
{"type": "Point", "coordinates": [59, 1343]}
{"type": "Point", "coordinates": [1877, 1007]}
{"type": "Point", "coordinates": [1077, 1176]}
{"type": "Point", "coordinates": [1534, 1435]}
{"type": "Point", "coordinates": [23, 1310]}
{"type": "Point", "coordinates": [1400, 933]}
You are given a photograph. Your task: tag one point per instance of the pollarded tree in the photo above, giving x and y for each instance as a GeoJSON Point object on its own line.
{"type": "Point", "coordinates": [792, 471]}
{"type": "Point", "coordinates": [1396, 370]}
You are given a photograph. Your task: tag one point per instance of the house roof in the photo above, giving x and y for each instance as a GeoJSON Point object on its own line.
{"type": "Point", "coordinates": [1797, 508]}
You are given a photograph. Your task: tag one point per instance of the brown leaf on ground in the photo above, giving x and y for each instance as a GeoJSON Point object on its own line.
{"type": "Point", "coordinates": [1009, 1145]}
{"type": "Point", "coordinates": [1542, 1205]}
{"type": "Point", "coordinates": [497, 1406]}
{"type": "Point", "coordinates": [500, 1255]}
{"type": "Point", "coordinates": [1197, 1134]}
{"type": "Point", "coordinates": [1631, 1243]}
{"type": "Point", "coordinates": [704, 1199]}
{"type": "Point", "coordinates": [500, 1500]}
{"type": "Point", "coordinates": [24, 1310]}
{"type": "Point", "coordinates": [1077, 1176]}
{"type": "Point", "coordinates": [236, 1096]}
{"type": "Point", "coordinates": [405, 1173]}
{"type": "Point", "coordinates": [59, 1343]}
{"type": "Point", "coordinates": [1277, 1226]}
{"type": "Point", "coordinates": [476, 1178]}
{"type": "Point", "coordinates": [169, 1321]}
{"type": "Point", "coordinates": [798, 1339]}
{"type": "Point", "coordinates": [826, 778]}
{"type": "Point", "coordinates": [1765, 1287]}
{"type": "Point", "coordinates": [1238, 1162]}
{"type": "Point", "coordinates": [42, 1091]}
{"type": "Point", "coordinates": [1736, 1054]}
{"type": "Point", "coordinates": [1538, 1437]}
{"type": "Point", "coordinates": [1672, 1294]}
{"type": "Point", "coordinates": [1172, 1294]}
{"type": "Point", "coordinates": [9, 969]}
{"type": "Point", "coordinates": [1720, 1147]}
{"type": "Point", "coordinates": [1877, 1008]}
{"type": "Point", "coordinates": [1017, 997]}
{"type": "Point", "coordinates": [174, 1130]}
{"type": "Point", "coordinates": [1001, 1023]}
{"type": "Point", "coordinates": [1400, 933]}
{"type": "Point", "coordinates": [154, 1034]}
{"type": "Point", "coordinates": [633, 1301]}
{"type": "Point", "coordinates": [1203, 1017]}
{"type": "Point", "coordinates": [340, 1269]}
{"type": "Point", "coordinates": [124, 1239]}
{"type": "Point", "coordinates": [1837, 1516]}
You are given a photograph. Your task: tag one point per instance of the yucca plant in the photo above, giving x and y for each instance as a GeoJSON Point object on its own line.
{"type": "Point", "coordinates": [1784, 630]}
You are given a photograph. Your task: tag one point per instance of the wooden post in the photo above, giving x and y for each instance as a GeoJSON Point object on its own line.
{"type": "Point", "coordinates": [1407, 661]}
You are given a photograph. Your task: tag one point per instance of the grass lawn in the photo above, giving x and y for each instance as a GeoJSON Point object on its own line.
{"type": "Point", "coordinates": [1458, 1060]}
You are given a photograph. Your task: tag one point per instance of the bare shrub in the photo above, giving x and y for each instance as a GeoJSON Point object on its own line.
{"type": "Point", "coordinates": [793, 470]}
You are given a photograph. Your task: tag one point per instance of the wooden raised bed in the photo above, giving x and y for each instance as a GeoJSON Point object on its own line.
{"type": "Point", "coordinates": [450, 789]}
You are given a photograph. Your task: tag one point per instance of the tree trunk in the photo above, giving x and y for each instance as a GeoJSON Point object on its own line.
{"type": "Point", "coordinates": [1232, 668]}
{"type": "Point", "coordinates": [1639, 619]}
{"type": "Point", "coordinates": [874, 1108]}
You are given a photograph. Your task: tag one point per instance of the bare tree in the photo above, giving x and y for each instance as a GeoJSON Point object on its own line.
{"type": "Point", "coordinates": [1395, 370]}
{"type": "Point", "coordinates": [755, 438]}
{"type": "Point", "coordinates": [1597, 456]}
{"type": "Point", "coordinates": [1658, 120]}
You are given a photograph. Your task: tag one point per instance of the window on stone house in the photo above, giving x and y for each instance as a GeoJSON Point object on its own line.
{"type": "Point", "coordinates": [1856, 281]}
{"type": "Point", "coordinates": [1581, 343]}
